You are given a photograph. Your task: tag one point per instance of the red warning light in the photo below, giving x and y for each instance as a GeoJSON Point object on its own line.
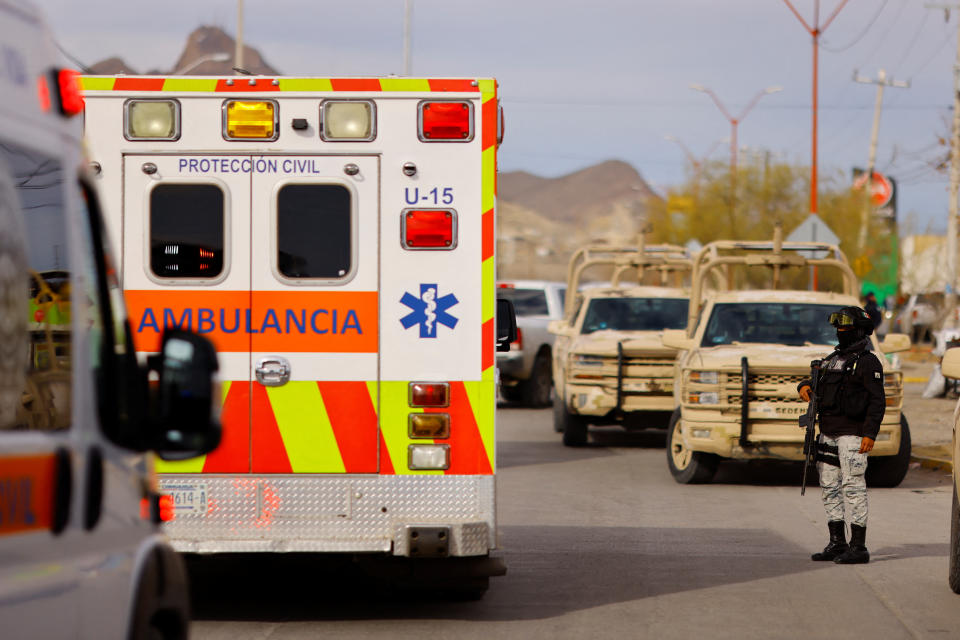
{"type": "Point", "coordinates": [429, 229]}
{"type": "Point", "coordinates": [71, 99]}
{"type": "Point", "coordinates": [447, 121]}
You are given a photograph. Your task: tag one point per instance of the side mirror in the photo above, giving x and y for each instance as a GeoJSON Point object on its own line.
{"type": "Point", "coordinates": [506, 324]}
{"type": "Point", "coordinates": [677, 339]}
{"type": "Point", "coordinates": [559, 327]}
{"type": "Point", "coordinates": [182, 419]}
{"type": "Point", "coordinates": [895, 342]}
{"type": "Point", "coordinates": [950, 367]}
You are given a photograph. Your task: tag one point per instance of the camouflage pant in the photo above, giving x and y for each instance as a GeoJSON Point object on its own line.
{"type": "Point", "coordinates": [843, 486]}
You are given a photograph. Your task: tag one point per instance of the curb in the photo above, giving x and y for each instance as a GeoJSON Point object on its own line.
{"type": "Point", "coordinates": [935, 457]}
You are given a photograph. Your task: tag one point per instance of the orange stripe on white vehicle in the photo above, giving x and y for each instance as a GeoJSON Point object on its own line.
{"type": "Point", "coordinates": [26, 493]}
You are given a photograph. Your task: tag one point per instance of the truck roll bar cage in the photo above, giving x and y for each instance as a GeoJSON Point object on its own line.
{"type": "Point", "coordinates": [776, 255]}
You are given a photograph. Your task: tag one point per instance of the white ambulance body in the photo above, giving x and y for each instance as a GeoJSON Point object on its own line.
{"type": "Point", "coordinates": [81, 553]}
{"type": "Point", "coordinates": [335, 239]}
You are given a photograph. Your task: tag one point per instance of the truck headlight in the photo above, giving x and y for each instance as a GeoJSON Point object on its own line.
{"type": "Point", "coordinates": [587, 361]}
{"type": "Point", "coordinates": [705, 377]}
{"type": "Point", "coordinates": [704, 397]}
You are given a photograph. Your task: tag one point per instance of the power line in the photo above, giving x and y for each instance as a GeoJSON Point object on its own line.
{"type": "Point", "coordinates": [862, 33]}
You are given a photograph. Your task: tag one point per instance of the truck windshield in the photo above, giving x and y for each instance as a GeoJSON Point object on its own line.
{"type": "Point", "coordinates": [527, 302]}
{"type": "Point", "coordinates": [789, 324]}
{"type": "Point", "coordinates": [635, 314]}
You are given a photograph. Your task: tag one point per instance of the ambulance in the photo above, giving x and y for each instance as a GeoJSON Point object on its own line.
{"type": "Point", "coordinates": [81, 552]}
{"type": "Point", "coordinates": [334, 238]}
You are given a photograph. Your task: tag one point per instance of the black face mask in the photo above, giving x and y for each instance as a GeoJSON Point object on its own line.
{"type": "Point", "coordinates": [847, 337]}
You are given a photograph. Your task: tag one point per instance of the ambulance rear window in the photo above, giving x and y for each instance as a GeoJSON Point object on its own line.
{"type": "Point", "coordinates": [314, 231]}
{"type": "Point", "coordinates": [186, 230]}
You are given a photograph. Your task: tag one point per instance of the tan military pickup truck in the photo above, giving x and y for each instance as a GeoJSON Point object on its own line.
{"type": "Point", "coordinates": [951, 369]}
{"type": "Point", "coordinates": [743, 353]}
{"type": "Point", "coordinates": [609, 365]}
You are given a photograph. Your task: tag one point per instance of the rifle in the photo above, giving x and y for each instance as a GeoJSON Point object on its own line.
{"type": "Point", "coordinates": [808, 421]}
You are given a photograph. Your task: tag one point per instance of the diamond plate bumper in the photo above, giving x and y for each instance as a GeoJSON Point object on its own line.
{"type": "Point", "coordinates": [323, 513]}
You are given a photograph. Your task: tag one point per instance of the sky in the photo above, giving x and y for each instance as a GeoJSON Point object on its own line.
{"type": "Point", "coordinates": [584, 82]}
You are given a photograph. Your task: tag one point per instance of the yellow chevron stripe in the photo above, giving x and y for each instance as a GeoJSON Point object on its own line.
{"type": "Point", "coordinates": [488, 87]}
{"type": "Point", "coordinates": [193, 465]}
{"type": "Point", "coordinates": [190, 84]}
{"type": "Point", "coordinates": [482, 396]}
{"type": "Point", "coordinates": [394, 409]}
{"type": "Point", "coordinates": [96, 84]}
{"type": "Point", "coordinates": [305, 428]}
{"type": "Point", "coordinates": [305, 84]}
{"type": "Point", "coordinates": [489, 169]}
{"type": "Point", "coordinates": [405, 84]}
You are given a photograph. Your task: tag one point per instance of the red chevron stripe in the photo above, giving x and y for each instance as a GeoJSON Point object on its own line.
{"type": "Point", "coordinates": [468, 456]}
{"type": "Point", "coordinates": [443, 84]}
{"type": "Point", "coordinates": [233, 454]}
{"type": "Point", "coordinates": [243, 85]}
{"type": "Point", "coordinates": [355, 84]}
{"type": "Point", "coordinates": [386, 466]}
{"type": "Point", "coordinates": [487, 233]}
{"type": "Point", "coordinates": [489, 135]}
{"type": "Point", "coordinates": [138, 84]}
{"type": "Point", "coordinates": [354, 422]}
{"type": "Point", "coordinates": [267, 455]}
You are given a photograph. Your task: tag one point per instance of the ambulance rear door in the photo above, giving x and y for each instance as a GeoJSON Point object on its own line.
{"type": "Point", "coordinates": [186, 262]}
{"type": "Point", "coordinates": [315, 334]}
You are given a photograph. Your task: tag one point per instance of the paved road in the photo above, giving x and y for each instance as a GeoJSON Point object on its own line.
{"type": "Point", "coordinates": [600, 542]}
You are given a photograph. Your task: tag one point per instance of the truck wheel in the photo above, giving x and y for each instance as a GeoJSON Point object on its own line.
{"type": "Point", "coordinates": [889, 471]}
{"type": "Point", "coordinates": [955, 542]}
{"type": "Point", "coordinates": [686, 466]}
{"type": "Point", "coordinates": [573, 427]}
{"type": "Point", "coordinates": [536, 390]}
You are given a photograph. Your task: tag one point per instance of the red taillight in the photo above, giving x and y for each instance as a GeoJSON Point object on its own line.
{"type": "Point", "coordinates": [914, 314]}
{"type": "Point", "coordinates": [71, 99]}
{"type": "Point", "coordinates": [43, 93]}
{"type": "Point", "coordinates": [450, 121]}
{"type": "Point", "coordinates": [165, 508]}
{"type": "Point", "coordinates": [429, 229]}
{"type": "Point", "coordinates": [505, 285]}
{"type": "Point", "coordinates": [518, 343]}
{"type": "Point", "coordinates": [429, 394]}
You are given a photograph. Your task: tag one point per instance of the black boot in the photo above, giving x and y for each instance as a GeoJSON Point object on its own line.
{"type": "Point", "coordinates": [837, 544]}
{"type": "Point", "coordinates": [857, 553]}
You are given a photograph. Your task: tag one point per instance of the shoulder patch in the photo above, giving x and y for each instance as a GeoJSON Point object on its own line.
{"type": "Point", "coordinates": [876, 374]}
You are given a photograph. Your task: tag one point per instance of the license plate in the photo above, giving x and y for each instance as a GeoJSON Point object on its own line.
{"type": "Point", "coordinates": [187, 498]}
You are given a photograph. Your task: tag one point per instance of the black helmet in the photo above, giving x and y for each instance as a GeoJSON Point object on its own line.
{"type": "Point", "coordinates": [852, 317]}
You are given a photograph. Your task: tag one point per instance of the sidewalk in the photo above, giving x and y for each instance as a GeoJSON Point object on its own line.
{"type": "Point", "coordinates": [930, 419]}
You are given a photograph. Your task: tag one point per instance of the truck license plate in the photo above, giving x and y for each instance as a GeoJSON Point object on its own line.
{"type": "Point", "coordinates": [187, 498]}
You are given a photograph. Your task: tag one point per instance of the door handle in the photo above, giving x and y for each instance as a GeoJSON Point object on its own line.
{"type": "Point", "coordinates": [93, 492]}
{"type": "Point", "coordinates": [273, 371]}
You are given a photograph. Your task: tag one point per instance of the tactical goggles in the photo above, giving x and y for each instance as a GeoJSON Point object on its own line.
{"type": "Point", "coordinates": [839, 319]}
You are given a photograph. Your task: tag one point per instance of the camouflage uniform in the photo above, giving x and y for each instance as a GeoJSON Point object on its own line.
{"type": "Point", "coordinates": [843, 484]}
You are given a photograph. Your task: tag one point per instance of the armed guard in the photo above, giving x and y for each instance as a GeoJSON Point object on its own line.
{"type": "Point", "coordinates": [851, 406]}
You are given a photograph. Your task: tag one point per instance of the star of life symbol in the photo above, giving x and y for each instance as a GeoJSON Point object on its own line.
{"type": "Point", "coordinates": [428, 310]}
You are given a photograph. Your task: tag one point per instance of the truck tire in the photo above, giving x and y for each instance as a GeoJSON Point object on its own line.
{"type": "Point", "coordinates": [955, 542]}
{"type": "Point", "coordinates": [536, 390]}
{"type": "Point", "coordinates": [573, 427]}
{"type": "Point", "coordinates": [687, 467]}
{"type": "Point", "coordinates": [889, 471]}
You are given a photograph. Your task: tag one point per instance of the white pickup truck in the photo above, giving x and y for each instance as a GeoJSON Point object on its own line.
{"type": "Point", "coordinates": [525, 370]}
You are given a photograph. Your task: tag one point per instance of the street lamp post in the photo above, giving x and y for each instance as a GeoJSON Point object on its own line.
{"type": "Point", "coordinates": [220, 56]}
{"type": "Point", "coordinates": [734, 123]}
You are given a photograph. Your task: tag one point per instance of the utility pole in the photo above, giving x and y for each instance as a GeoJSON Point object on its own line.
{"type": "Point", "coordinates": [950, 298]}
{"type": "Point", "coordinates": [407, 10]}
{"type": "Point", "coordinates": [815, 31]}
{"type": "Point", "coordinates": [881, 81]}
{"type": "Point", "coordinates": [734, 123]}
{"type": "Point", "coordinates": [238, 51]}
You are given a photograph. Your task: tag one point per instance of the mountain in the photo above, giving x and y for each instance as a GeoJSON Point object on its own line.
{"type": "Point", "coordinates": [597, 191]}
{"type": "Point", "coordinates": [203, 41]}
